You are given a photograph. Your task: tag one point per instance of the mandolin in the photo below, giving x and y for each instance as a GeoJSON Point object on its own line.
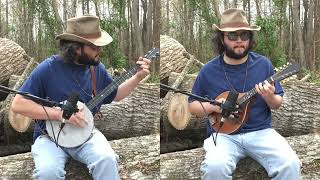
{"type": "Point", "coordinates": [234, 122]}
{"type": "Point", "coordinates": [72, 136]}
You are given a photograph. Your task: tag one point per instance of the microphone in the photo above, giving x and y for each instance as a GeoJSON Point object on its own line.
{"type": "Point", "coordinates": [229, 105]}
{"type": "Point", "coordinates": [70, 106]}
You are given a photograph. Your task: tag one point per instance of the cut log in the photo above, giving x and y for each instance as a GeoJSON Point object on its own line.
{"type": "Point", "coordinates": [13, 60]}
{"type": "Point", "coordinates": [136, 115]}
{"type": "Point", "coordinates": [186, 164]}
{"type": "Point", "coordinates": [139, 159]}
{"type": "Point", "coordinates": [15, 84]}
{"type": "Point", "coordinates": [172, 56]}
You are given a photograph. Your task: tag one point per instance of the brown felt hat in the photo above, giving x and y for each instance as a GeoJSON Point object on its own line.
{"type": "Point", "coordinates": [85, 29]}
{"type": "Point", "coordinates": [233, 20]}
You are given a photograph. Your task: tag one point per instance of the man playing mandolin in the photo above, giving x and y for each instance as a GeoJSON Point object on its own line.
{"type": "Point", "coordinates": [238, 68]}
{"type": "Point", "coordinates": [56, 78]}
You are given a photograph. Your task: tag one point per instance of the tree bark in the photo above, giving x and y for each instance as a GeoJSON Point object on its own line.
{"type": "Point", "coordinates": [316, 40]}
{"type": "Point", "coordinates": [13, 60]}
{"type": "Point", "coordinates": [299, 36]}
{"type": "Point", "coordinates": [139, 159]}
{"type": "Point", "coordinates": [186, 164]}
{"type": "Point", "coordinates": [57, 17]}
{"type": "Point", "coordinates": [172, 57]}
{"type": "Point", "coordinates": [138, 114]}
{"type": "Point", "coordinates": [136, 31]}
{"type": "Point", "coordinates": [216, 8]}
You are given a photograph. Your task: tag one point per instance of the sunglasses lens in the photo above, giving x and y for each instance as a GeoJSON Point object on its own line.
{"type": "Point", "coordinates": [233, 36]}
{"type": "Point", "coordinates": [245, 36]}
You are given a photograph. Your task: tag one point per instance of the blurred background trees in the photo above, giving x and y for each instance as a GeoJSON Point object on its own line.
{"type": "Point", "coordinates": [290, 29]}
{"type": "Point", "coordinates": [33, 24]}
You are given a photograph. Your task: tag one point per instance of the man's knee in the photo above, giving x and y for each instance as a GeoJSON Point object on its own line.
{"type": "Point", "coordinates": [219, 168]}
{"type": "Point", "coordinates": [49, 171]}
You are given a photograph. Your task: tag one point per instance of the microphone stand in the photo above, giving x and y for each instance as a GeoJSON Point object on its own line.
{"type": "Point", "coordinates": [199, 98]}
{"type": "Point", "coordinates": [30, 96]}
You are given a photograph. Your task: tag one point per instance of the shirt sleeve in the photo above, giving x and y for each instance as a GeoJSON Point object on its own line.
{"type": "Point", "coordinates": [197, 88]}
{"type": "Point", "coordinates": [277, 85]}
{"type": "Point", "coordinates": [34, 84]}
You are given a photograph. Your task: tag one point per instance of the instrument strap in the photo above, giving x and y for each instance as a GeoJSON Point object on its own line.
{"type": "Point", "coordinates": [94, 89]}
{"type": "Point", "coordinates": [93, 81]}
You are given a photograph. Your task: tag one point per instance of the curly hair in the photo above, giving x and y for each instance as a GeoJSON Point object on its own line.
{"type": "Point", "coordinates": [68, 50]}
{"type": "Point", "coordinates": [219, 46]}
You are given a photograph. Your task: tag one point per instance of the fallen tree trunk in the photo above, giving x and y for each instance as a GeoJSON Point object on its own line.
{"type": "Point", "coordinates": [186, 164]}
{"type": "Point", "coordinates": [136, 115]}
{"type": "Point", "coordinates": [13, 60]}
{"type": "Point", "coordinates": [172, 57]}
{"type": "Point", "coordinates": [298, 115]}
{"type": "Point", "coordinates": [139, 159]}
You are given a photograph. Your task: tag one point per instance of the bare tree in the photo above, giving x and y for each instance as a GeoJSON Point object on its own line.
{"type": "Point", "coordinates": [1, 19]}
{"type": "Point", "coordinates": [308, 29]}
{"type": "Point", "coordinates": [73, 8]}
{"type": "Point", "coordinates": [216, 8]}
{"type": "Point", "coordinates": [299, 35]}
{"type": "Point", "coordinates": [136, 31]}
{"type": "Point", "coordinates": [258, 5]}
{"type": "Point", "coordinates": [316, 41]}
{"type": "Point", "coordinates": [6, 32]}
{"type": "Point", "coordinates": [59, 23]}
{"type": "Point", "coordinates": [96, 5]}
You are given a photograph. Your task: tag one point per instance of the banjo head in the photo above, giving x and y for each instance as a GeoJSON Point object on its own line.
{"type": "Point", "coordinates": [71, 136]}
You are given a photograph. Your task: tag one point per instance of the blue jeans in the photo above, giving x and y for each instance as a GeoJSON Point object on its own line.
{"type": "Point", "coordinates": [266, 146]}
{"type": "Point", "coordinates": [96, 153]}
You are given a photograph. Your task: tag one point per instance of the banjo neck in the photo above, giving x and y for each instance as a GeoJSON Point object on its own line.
{"type": "Point", "coordinates": [154, 52]}
{"type": "Point", "coordinates": [111, 87]}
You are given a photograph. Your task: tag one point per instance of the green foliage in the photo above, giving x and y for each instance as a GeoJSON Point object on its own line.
{"type": "Point", "coordinates": [267, 40]}
{"type": "Point", "coordinates": [315, 76]}
{"type": "Point", "coordinates": [154, 78]}
{"type": "Point", "coordinates": [112, 55]}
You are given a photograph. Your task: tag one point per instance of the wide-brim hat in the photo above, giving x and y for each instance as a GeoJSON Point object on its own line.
{"type": "Point", "coordinates": [85, 29]}
{"type": "Point", "coordinates": [233, 20]}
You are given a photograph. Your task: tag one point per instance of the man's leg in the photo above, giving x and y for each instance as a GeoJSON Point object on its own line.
{"type": "Point", "coordinates": [49, 160]}
{"type": "Point", "coordinates": [221, 160]}
{"type": "Point", "coordinates": [99, 157]}
{"type": "Point", "coordinates": [274, 153]}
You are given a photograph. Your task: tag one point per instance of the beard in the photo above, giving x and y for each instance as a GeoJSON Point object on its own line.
{"type": "Point", "coordinates": [84, 59]}
{"type": "Point", "coordinates": [232, 54]}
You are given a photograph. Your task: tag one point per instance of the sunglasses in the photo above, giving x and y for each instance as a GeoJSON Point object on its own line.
{"type": "Point", "coordinates": [233, 36]}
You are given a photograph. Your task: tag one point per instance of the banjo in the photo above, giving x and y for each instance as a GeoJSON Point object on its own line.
{"type": "Point", "coordinates": [68, 135]}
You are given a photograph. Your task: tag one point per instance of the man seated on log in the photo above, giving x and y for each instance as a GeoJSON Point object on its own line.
{"type": "Point", "coordinates": [56, 78]}
{"type": "Point", "coordinates": [238, 68]}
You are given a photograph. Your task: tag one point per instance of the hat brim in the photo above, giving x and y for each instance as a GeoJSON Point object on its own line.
{"type": "Point", "coordinates": [103, 40]}
{"type": "Point", "coordinates": [230, 29]}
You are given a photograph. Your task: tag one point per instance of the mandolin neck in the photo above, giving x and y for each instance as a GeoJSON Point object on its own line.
{"type": "Point", "coordinates": [250, 94]}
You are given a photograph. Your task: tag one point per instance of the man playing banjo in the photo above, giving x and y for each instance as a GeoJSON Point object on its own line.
{"type": "Point", "coordinates": [55, 78]}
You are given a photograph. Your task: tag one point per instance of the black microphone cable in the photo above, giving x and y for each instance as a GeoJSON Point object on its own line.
{"type": "Point", "coordinates": [49, 119]}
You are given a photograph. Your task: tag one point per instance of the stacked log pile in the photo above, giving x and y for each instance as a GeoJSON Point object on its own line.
{"type": "Point", "coordinates": [131, 126]}
{"type": "Point", "coordinates": [297, 119]}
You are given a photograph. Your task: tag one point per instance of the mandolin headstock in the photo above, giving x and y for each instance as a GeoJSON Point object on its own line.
{"type": "Point", "coordinates": [286, 71]}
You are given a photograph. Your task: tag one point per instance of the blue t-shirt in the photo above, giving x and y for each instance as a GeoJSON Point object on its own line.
{"type": "Point", "coordinates": [56, 80]}
{"type": "Point", "coordinates": [211, 81]}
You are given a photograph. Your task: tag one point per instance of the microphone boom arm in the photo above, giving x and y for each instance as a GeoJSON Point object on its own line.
{"type": "Point", "coordinates": [30, 96]}
{"type": "Point", "coordinates": [199, 98]}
